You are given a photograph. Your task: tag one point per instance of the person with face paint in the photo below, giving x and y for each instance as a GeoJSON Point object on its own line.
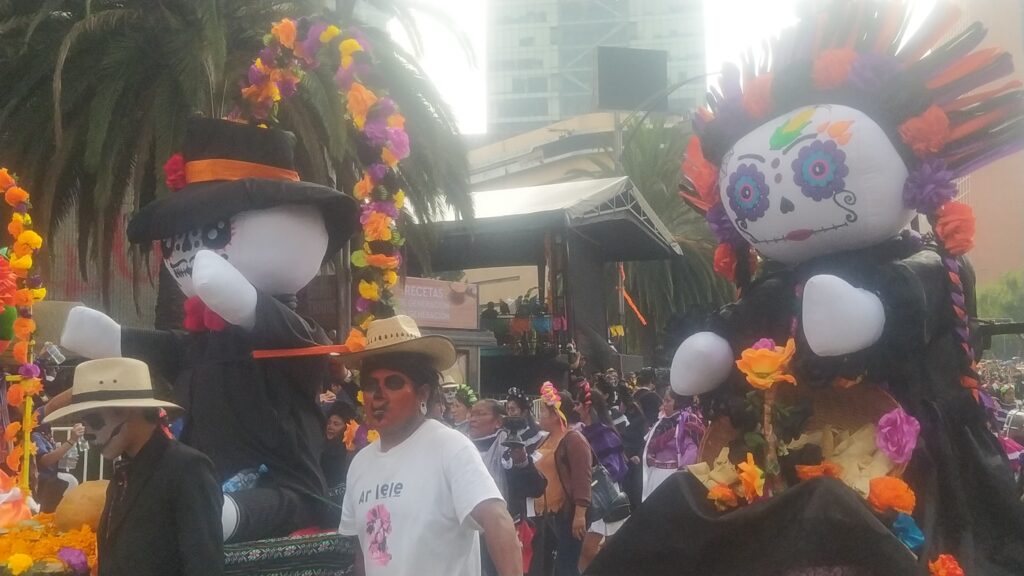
{"type": "Point", "coordinates": [465, 398]}
{"type": "Point", "coordinates": [162, 515]}
{"type": "Point", "coordinates": [417, 498]}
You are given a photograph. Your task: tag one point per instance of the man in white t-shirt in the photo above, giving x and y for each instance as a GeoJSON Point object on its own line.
{"type": "Point", "coordinates": [420, 498]}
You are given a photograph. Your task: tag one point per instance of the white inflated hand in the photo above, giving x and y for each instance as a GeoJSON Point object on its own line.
{"type": "Point", "coordinates": [701, 363]}
{"type": "Point", "coordinates": [839, 318]}
{"type": "Point", "coordinates": [91, 334]}
{"type": "Point", "coordinates": [224, 289]}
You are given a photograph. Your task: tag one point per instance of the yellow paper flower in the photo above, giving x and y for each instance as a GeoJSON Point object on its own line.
{"type": "Point", "coordinates": [22, 262]}
{"type": "Point", "coordinates": [372, 436]}
{"type": "Point", "coordinates": [400, 199]}
{"type": "Point", "coordinates": [359, 396]}
{"type": "Point", "coordinates": [369, 290]}
{"type": "Point", "coordinates": [764, 364]}
{"type": "Point", "coordinates": [33, 240]}
{"type": "Point", "coordinates": [347, 48]}
{"type": "Point", "coordinates": [19, 563]}
{"type": "Point", "coordinates": [358, 103]}
{"type": "Point", "coordinates": [391, 278]}
{"type": "Point", "coordinates": [752, 478]}
{"type": "Point", "coordinates": [329, 34]}
{"type": "Point", "coordinates": [39, 294]}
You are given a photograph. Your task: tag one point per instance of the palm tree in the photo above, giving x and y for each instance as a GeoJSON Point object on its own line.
{"type": "Point", "coordinates": [96, 94]}
{"type": "Point", "coordinates": [652, 153]}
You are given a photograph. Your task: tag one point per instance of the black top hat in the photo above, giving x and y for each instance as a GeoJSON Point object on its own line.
{"type": "Point", "coordinates": [232, 167]}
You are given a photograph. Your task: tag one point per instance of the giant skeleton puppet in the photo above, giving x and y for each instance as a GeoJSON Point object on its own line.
{"type": "Point", "coordinates": [241, 238]}
{"type": "Point", "coordinates": [816, 157]}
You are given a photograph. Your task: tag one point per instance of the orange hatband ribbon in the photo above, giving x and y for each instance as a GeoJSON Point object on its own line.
{"type": "Point", "coordinates": [216, 169]}
{"type": "Point", "coordinates": [338, 349]}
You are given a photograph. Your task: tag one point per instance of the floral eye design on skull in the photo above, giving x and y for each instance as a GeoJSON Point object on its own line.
{"type": "Point", "coordinates": [820, 170]}
{"type": "Point", "coordinates": [748, 193]}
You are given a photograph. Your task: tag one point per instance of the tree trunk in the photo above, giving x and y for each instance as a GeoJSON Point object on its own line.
{"type": "Point", "coordinates": [170, 302]}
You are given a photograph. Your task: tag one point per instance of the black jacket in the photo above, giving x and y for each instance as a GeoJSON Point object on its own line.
{"type": "Point", "coordinates": [162, 517]}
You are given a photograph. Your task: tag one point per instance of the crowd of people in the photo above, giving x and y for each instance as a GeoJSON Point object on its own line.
{"type": "Point", "coordinates": [548, 453]}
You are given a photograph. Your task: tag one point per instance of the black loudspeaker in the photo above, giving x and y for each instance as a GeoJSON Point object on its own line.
{"type": "Point", "coordinates": [631, 79]}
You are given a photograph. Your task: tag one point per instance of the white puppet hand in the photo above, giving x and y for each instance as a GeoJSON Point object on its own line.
{"type": "Point", "coordinates": [224, 289]}
{"type": "Point", "coordinates": [91, 334]}
{"type": "Point", "coordinates": [839, 318]}
{"type": "Point", "coordinates": [702, 362]}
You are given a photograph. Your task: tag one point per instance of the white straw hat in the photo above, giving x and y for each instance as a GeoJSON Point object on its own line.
{"type": "Point", "coordinates": [111, 383]}
{"type": "Point", "coordinates": [401, 334]}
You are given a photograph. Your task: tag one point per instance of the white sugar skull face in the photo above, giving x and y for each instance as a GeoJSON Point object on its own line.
{"type": "Point", "coordinates": [815, 181]}
{"type": "Point", "coordinates": [278, 250]}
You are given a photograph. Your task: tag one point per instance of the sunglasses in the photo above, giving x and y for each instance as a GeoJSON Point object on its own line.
{"type": "Point", "coordinates": [393, 382]}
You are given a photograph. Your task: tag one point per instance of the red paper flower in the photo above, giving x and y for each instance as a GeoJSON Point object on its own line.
{"type": "Point", "coordinates": [174, 172]}
{"type": "Point", "coordinates": [955, 227]}
{"type": "Point", "coordinates": [926, 133]}
{"type": "Point", "coordinates": [945, 565]}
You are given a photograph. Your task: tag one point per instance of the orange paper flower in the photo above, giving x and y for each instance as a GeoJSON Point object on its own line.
{"type": "Point", "coordinates": [21, 249]}
{"type": "Point", "coordinates": [389, 157]}
{"type": "Point", "coordinates": [766, 364]}
{"type": "Point", "coordinates": [826, 468]}
{"type": "Point", "coordinates": [752, 479]}
{"type": "Point", "coordinates": [6, 180]}
{"type": "Point", "coordinates": [382, 261]}
{"type": "Point", "coordinates": [15, 195]}
{"type": "Point", "coordinates": [23, 328]}
{"type": "Point", "coordinates": [757, 97]}
{"type": "Point", "coordinates": [377, 227]}
{"type": "Point", "coordinates": [724, 497]}
{"type": "Point", "coordinates": [702, 174]}
{"type": "Point", "coordinates": [926, 133]}
{"type": "Point", "coordinates": [15, 395]}
{"type": "Point", "coordinates": [890, 493]}
{"type": "Point", "coordinates": [23, 297]}
{"type": "Point", "coordinates": [832, 68]}
{"type": "Point", "coordinates": [358, 103]}
{"type": "Point", "coordinates": [363, 188]}
{"type": "Point", "coordinates": [15, 228]}
{"type": "Point", "coordinates": [284, 31]}
{"type": "Point", "coordinates": [11, 432]}
{"type": "Point", "coordinates": [32, 386]}
{"type": "Point", "coordinates": [725, 262]}
{"type": "Point", "coordinates": [396, 120]}
{"type": "Point", "coordinates": [20, 352]}
{"type": "Point", "coordinates": [14, 458]}
{"type": "Point", "coordinates": [955, 227]}
{"type": "Point", "coordinates": [356, 341]}
{"type": "Point", "coordinates": [349, 438]}
{"type": "Point", "coordinates": [945, 565]}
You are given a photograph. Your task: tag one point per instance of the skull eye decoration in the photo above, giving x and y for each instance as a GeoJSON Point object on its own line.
{"type": "Point", "coordinates": [748, 192]}
{"type": "Point", "coordinates": [820, 170]}
{"type": "Point", "coordinates": [216, 236]}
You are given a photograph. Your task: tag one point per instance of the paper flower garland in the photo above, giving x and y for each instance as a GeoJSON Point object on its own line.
{"type": "Point", "coordinates": [21, 287]}
{"type": "Point", "coordinates": [290, 50]}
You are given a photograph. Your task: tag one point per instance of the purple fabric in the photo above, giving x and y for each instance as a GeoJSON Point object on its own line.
{"type": "Point", "coordinates": [721, 226]}
{"type": "Point", "coordinates": [607, 445]}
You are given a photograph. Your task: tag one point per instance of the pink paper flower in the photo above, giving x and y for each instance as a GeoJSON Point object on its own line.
{"type": "Point", "coordinates": [897, 435]}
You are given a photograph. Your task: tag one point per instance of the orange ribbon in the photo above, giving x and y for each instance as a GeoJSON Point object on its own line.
{"type": "Point", "coordinates": [216, 169]}
{"type": "Point", "coordinates": [338, 349]}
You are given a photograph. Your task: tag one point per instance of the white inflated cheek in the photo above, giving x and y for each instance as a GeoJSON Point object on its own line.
{"type": "Point", "coordinates": [279, 250]}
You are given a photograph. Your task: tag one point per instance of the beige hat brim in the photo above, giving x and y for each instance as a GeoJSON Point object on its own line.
{"type": "Point", "coordinates": [439, 349]}
{"type": "Point", "coordinates": [77, 408]}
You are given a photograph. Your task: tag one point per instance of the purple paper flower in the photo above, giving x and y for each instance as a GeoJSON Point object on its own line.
{"type": "Point", "coordinates": [376, 132]}
{"type": "Point", "coordinates": [819, 170]}
{"type": "Point", "coordinates": [74, 559]}
{"type": "Point", "coordinates": [345, 77]}
{"type": "Point", "coordinates": [384, 207]}
{"type": "Point", "coordinates": [311, 45]}
{"type": "Point", "coordinates": [29, 371]}
{"type": "Point", "coordinates": [35, 281]}
{"type": "Point", "coordinates": [748, 192]}
{"type": "Point", "coordinates": [721, 226]}
{"type": "Point", "coordinates": [256, 75]}
{"type": "Point", "coordinates": [362, 304]}
{"type": "Point", "coordinates": [764, 344]}
{"type": "Point", "coordinates": [897, 435]}
{"type": "Point", "coordinates": [929, 186]}
{"type": "Point", "coordinates": [383, 108]}
{"type": "Point", "coordinates": [398, 142]}
{"type": "Point", "coordinates": [377, 171]}
{"type": "Point", "coordinates": [288, 86]}
{"type": "Point", "coordinates": [21, 208]}
{"type": "Point", "coordinates": [871, 70]}
{"type": "Point", "coordinates": [269, 54]}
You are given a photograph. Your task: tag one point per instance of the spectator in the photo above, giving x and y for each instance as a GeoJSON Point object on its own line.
{"type": "Point", "coordinates": [645, 396]}
{"type": "Point", "coordinates": [490, 313]}
{"type": "Point", "coordinates": [520, 419]}
{"type": "Point", "coordinates": [334, 459]}
{"type": "Point", "coordinates": [606, 443]}
{"type": "Point", "coordinates": [633, 441]}
{"type": "Point", "coordinates": [565, 461]}
{"type": "Point", "coordinates": [50, 487]}
{"type": "Point", "coordinates": [417, 498]}
{"type": "Point", "coordinates": [674, 443]}
{"type": "Point", "coordinates": [487, 435]}
{"type": "Point", "coordinates": [465, 398]}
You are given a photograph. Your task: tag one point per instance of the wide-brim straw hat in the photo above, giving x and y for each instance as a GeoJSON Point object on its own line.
{"type": "Point", "coordinates": [110, 383]}
{"type": "Point", "coordinates": [400, 334]}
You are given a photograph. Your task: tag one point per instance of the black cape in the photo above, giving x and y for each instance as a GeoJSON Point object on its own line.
{"type": "Point", "coordinates": [966, 501]}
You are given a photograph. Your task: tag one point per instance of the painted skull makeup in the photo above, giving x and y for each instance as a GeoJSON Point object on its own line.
{"type": "Point", "coordinates": [102, 429]}
{"type": "Point", "coordinates": [179, 253]}
{"type": "Point", "coordinates": [814, 181]}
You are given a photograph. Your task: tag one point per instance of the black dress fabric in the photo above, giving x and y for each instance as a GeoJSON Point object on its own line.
{"type": "Point", "coordinates": [162, 515]}
{"type": "Point", "coordinates": [966, 504]}
{"type": "Point", "coordinates": [243, 413]}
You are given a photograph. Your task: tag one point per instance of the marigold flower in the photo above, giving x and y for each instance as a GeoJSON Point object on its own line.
{"type": "Point", "coordinates": [826, 468]}
{"type": "Point", "coordinates": [6, 180]}
{"type": "Point", "coordinates": [356, 341]}
{"type": "Point", "coordinates": [832, 68]}
{"type": "Point", "coordinates": [377, 227]}
{"type": "Point", "coordinates": [358, 103]}
{"type": "Point", "coordinates": [955, 227]}
{"type": "Point", "coordinates": [926, 133]}
{"type": "Point", "coordinates": [23, 328]}
{"type": "Point", "coordinates": [724, 497]}
{"type": "Point", "coordinates": [32, 386]}
{"type": "Point", "coordinates": [11, 432]}
{"type": "Point", "coordinates": [13, 460]}
{"type": "Point", "coordinates": [390, 278]}
{"type": "Point", "coordinates": [18, 564]}
{"type": "Point", "coordinates": [890, 493]}
{"type": "Point", "coordinates": [764, 367]}
{"type": "Point", "coordinates": [15, 228]}
{"type": "Point", "coordinates": [369, 290]}
{"type": "Point", "coordinates": [285, 31]}
{"type": "Point", "coordinates": [15, 395]}
{"type": "Point", "coordinates": [15, 195]}
{"type": "Point", "coordinates": [945, 565]}
{"type": "Point", "coordinates": [752, 479]}
{"type": "Point", "coordinates": [372, 436]}
{"type": "Point", "coordinates": [363, 188]}
{"type": "Point", "coordinates": [20, 353]}
{"type": "Point", "coordinates": [349, 438]}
